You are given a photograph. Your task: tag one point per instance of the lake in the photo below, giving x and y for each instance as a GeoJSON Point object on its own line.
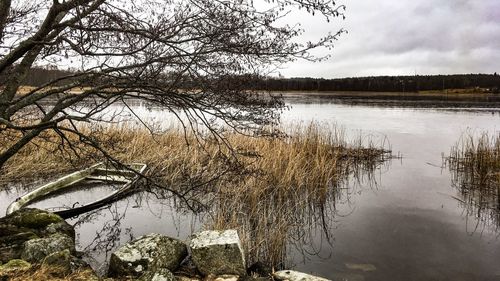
{"type": "Point", "coordinates": [407, 222]}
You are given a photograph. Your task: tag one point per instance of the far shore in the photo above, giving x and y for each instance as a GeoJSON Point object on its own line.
{"type": "Point", "coordinates": [480, 97]}
{"type": "Point", "coordinates": [447, 98]}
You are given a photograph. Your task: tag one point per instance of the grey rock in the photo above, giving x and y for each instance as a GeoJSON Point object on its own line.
{"type": "Point", "coordinates": [27, 224]}
{"type": "Point", "coordinates": [35, 250]}
{"type": "Point", "coordinates": [147, 253]}
{"type": "Point", "coordinates": [292, 275]}
{"type": "Point", "coordinates": [60, 259]}
{"type": "Point", "coordinates": [218, 253]}
{"type": "Point", "coordinates": [59, 227]}
{"type": "Point", "coordinates": [65, 262]}
{"type": "Point", "coordinates": [161, 274]}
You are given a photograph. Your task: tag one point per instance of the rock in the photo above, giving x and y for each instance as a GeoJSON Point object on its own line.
{"type": "Point", "coordinates": [61, 259]}
{"type": "Point", "coordinates": [27, 224]}
{"type": "Point", "coordinates": [218, 253]}
{"type": "Point", "coordinates": [147, 253]}
{"type": "Point", "coordinates": [65, 262]}
{"type": "Point", "coordinates": [37, 249]}
{"type": "Point", "coordinates": [34, 218]}
{"type": "Point", "coordinates": [188, 268]}
{"type": "Point", "coordinates": [292, 275]}
{"type": "Point", "coordinates": [59, 227]}
{"type": "Point", "coordinates": [160, 274]}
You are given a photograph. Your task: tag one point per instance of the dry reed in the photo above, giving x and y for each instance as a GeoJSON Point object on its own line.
{"type": "Point", "coordinates": [270, 189]}
{"type": "Point", "coordinates": [475, 166]}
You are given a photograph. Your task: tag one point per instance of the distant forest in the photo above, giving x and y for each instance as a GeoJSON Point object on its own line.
{"type": "Point", "coordinates": [416, 83]}
{"type": "Point", "coordinates": [491, 82]}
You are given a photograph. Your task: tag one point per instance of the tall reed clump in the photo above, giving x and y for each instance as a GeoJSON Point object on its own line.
{"type": "Point", "coordinates": [293, 191]}
{"type": "Point", "coordinates": [475, 166]}
{"type": "Point", "coordinates": [273, 190]}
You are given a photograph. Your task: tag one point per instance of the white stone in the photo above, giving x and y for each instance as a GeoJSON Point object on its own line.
{"type": "Point", "coordinates": [147, 253]}
{"type": "Point", "coordinates": [211, 237]}
{"type": "Point", "coordinates": [292, 275]}
{"type": "Point", "coordinates": [218, 253]}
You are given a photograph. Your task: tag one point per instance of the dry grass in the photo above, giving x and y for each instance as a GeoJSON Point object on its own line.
{"type": "Point", "coordinates": [475, 166]}
{"type": "Point", "coordinates": [23, 90]}
{"type": "Point", "coordinates": [272, 190]}
{"type": "Point", "coordinates": [467, 91]}
{"type": "Point", "coordinates": [44, 273]}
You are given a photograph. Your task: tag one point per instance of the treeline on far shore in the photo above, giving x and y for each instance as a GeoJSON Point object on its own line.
{"type": "Point", "coordinates": [483, 82]}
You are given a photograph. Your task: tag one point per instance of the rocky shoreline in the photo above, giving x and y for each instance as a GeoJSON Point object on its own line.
{"type": "Point", "coordinates": [33, 240]}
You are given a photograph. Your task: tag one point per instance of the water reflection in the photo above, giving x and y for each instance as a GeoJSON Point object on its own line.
{"type": "Point", "coordinates": [102, 231]}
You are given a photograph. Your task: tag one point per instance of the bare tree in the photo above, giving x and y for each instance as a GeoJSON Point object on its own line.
{"type": "Point", "coordinates": [187, 56]}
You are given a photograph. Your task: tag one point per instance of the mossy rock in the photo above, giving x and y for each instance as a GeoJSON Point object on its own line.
{"type": "Point", "coordinates": [34, 218]}
{"type": "Point", "coordinates": [26, 225]}
{"type": "Point", "coordinates": [38, 249]}
{"type": "Point", "coordinates": [14, 265]}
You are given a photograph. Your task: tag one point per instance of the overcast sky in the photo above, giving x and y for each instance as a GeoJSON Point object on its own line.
{"type": "Point", "coordinates": [401, 37]}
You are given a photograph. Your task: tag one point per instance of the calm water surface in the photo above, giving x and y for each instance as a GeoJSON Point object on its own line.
{"type": "Point", "coordinates": [406, 224]}
{"type": "Point", "coordinates": [410, 226]}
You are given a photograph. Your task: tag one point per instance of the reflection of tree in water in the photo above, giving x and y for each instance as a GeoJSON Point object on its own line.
{"type": "Point", "coordinates": [107, 234]}
{"type": "Point", "coordinates": [474, 163]}
{"type": "Point", "coordinates": [114, 225]}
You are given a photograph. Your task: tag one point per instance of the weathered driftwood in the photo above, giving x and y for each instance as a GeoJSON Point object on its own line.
{"type": "Point", "coordinates": [100, 172]}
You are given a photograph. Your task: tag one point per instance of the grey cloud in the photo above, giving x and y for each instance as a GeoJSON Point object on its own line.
{"type": "Point", "coordinates": [399, 36]}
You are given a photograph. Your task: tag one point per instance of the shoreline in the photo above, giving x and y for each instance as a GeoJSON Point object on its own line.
{"type": "Point", "coordinates": [396, 99]}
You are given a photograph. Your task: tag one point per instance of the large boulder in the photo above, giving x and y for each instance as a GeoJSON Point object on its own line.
{"type": "Point", "coordinates": [27, 224]}
{"type": "Point", "coordinates": [35, 250]}
{"type": "Point", "coordinates": [292, 275]}
{"type": "Point", "coordinates": [218, 253]}
{"type": "Point", "coordinates": [147, 253]}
